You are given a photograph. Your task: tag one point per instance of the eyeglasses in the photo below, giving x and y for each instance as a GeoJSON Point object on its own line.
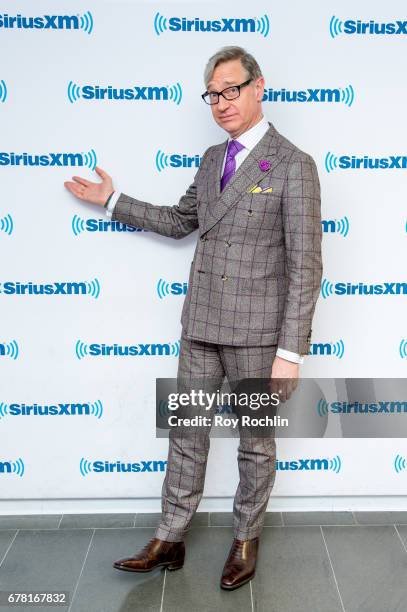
{"type": "Point", "coordinates": [230, 93]}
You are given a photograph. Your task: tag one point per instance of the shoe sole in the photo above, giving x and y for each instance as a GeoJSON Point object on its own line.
{"type": "Point", "coordinates": [168, 565]}
{"type": "Point", "coordinates": [236, 586]}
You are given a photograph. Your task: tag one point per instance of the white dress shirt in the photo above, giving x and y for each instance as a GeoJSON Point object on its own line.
{"type": "Point", "coordinates": [248, 139]}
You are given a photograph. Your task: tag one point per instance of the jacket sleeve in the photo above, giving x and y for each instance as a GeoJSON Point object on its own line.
{"type": "Point", "coordinates": [301, 210]}
{"type": "Point", "coordinates": [173, 221]}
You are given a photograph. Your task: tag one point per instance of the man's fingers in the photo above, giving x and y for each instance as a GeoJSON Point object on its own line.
{"type": "Point", "coordinates": [101, 172]}
{"type": "Point", "coordinates": [283, 391]}
{"type": "Point", "coordinates": [82, 181]}
{"type": "Point", "coordinates": [69, 185]}
{"type": "Point", "coordinates": [278, 385]}
{"type": "Point", "coordinates": [285, 387]}
{"type": "Point", "coordinates": [292, 384]}
{"type": "Point", "coordinates": [77, 190]}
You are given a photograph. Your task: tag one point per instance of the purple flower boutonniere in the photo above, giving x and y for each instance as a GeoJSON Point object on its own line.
{"type": "Point", "coordinates": [264, 165]}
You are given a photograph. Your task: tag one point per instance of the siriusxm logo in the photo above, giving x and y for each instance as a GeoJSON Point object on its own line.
{"type": "Point", "coordinates": [392, 288]}
{"type": "Point", "coordinates": [3, 91]}
{"type": "Point", "coordinates": [258, 25]}
{"type": "Point", "coordinates": [336, 226]}
{"type": "Point", "coordinates": [49, 159]}
{"type": "Point", "coordinates": [176, 160]}
{"type": "Point", "coordinates": [117, 467]}
{"type": "Point", "coordinates": [164, 288]}
{"type": "Point", "coordinates": [16, 468]}
{"type": "Point", "coordinates": [403, 348]}
{"type": "Point", "coordinates": [9, 349]}
{"type": "Point", "coordinates": [162, 409]}
{"type": "Point", "coordinates": [94, 409]}
{"type": "Point", "coordinates": [352, 162]}
{"type": "Point", "coordinates": [164, 93]}
{"type": "Point", "coordinates": [328, 349]}
{"type": "Point", "coordinates": [166, 349]}
{"type": "Point", "coordinates": [91, 225]}
{"type": "Point", "coordinates": [372, 27]}
{"type": "Point", "coordinates": [91, 288]}
{"type": "Point", "coordinates": [399, 463]}
{"type": "Point", "coordinates": [344, 95]}
{"type": "Point", "coordinates": [6, 224]}
{"type": "Point", "coordinates": [324, 407]}
{"type": "Point", "coordinates": [334, 464]}
{"type": "Point", "coordinates": [48, 22]}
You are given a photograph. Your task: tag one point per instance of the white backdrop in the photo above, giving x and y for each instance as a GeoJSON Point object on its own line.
{"type": "Point", "coordinates": [48, 106]}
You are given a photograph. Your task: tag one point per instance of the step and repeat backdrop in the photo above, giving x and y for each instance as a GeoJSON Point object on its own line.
{"type": "Point", "coordinates": [90, 309]}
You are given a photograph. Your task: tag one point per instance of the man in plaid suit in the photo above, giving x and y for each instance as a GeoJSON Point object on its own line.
{"type": "Point", "coordinates": [253, 286]}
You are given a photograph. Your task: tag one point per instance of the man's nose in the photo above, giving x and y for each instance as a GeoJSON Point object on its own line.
{"type": "Point", "coordinates": [223, 104]}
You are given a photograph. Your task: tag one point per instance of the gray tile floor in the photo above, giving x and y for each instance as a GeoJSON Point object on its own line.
{"type": "Point", "coordinates": [308, 562]}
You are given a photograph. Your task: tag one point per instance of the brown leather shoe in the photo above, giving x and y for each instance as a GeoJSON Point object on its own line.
{"type": "Point", "coordinates": [240, 565]}
{"type": "Point", "coordinates": [154, 554]}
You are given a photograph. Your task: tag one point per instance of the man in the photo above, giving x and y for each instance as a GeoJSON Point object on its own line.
{"type": "Point", "coordinates": [253, 285]}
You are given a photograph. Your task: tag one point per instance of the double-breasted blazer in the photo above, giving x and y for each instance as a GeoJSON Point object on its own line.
{"type": "Point", "coordinates": [256, 272]}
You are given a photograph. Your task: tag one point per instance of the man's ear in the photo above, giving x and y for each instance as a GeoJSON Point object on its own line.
{"type": "Point", "coordinates": [259, 88]}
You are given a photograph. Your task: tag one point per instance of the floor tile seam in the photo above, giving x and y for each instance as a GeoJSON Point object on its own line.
{"type": "Point", "coordinates": [332, 569]}
{"type": "Point", "coordinates": [400, 538]}
{"type": "Point", "coordinates": [81, 572]}
{"type": "Point", "coordinates": [9, 547]}
{"type": "Point", "coordinates": [162, 592]}
{"type": "Point", "coordinates": [251, 595]}
{"type": "Point", "coordinates": [90, 528]}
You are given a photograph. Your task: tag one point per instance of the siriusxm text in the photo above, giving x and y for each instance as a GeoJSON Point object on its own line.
{"type": "Point", "coordinates": [184, 161]}
{"type": "Point", "coordinates": [303, 464]}
{"type": "Point", "coordinates": [44, 22]}
{"type": "Point", "coordinates": [71, 409]}
{"type": "Point", "coordinates": [391, 162]}
{"type": "Point", "coordinates": [353, 26]}
{"type": "Point", "coordinates": [373, 289]}
{"type": "Point", "coordinates": [100, 225]}
{"type": "Point", "coordinates": [57, 288]}
{"type": "Point", "coordinates": [139, 466]}
{"type": "Point", "coordinates": [119, 350]}
{"type": "Point", "coordinates": [137, 92]}
{"type": "Point", "coordinates": [302, 95]}
{"type": "Point", "coordinates": [225, 24]}
{"type": "Point", "coordinates": [371, 408]}
{"type": "Point", "coordinates": [47, 159]}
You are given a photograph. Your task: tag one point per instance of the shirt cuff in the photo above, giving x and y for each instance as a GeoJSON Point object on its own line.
{"type": "Point", "coordinates": [289, 355]}
{"type": "Point", "coordinates": [112, 203]}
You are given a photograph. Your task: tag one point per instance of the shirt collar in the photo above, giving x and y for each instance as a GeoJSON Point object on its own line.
{"type": "Point", "coordinates": [251, 137]}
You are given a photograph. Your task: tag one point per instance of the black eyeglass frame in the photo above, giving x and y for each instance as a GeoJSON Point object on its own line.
{"type": "Point", "coordinates": [220, 93]}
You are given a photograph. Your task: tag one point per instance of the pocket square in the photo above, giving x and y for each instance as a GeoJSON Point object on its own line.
{"type": "Point", "coordinates": [258, 189]}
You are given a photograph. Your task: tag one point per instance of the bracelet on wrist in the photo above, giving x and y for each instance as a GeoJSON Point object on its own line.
{"type": "Point", "coordinates": [108, 200]}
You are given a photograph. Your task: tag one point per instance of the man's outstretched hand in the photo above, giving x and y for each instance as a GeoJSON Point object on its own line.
{"type": "Point", "coordinates": [97, 193]}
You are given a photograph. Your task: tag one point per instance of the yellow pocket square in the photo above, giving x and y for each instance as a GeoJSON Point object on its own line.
{"type": "Point", "coordinates": [257, 189]}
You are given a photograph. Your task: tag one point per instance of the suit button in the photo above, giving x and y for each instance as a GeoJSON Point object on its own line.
{"type": "Point", "coordinates": [228, 243]}
{"type": "Point", "coordinates": [250, 212]}
{"type": "Point", "coordinates": [224, 277]}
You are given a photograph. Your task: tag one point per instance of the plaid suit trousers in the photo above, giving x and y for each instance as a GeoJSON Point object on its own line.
{"type": "Point", "coordinates": [188, 453]}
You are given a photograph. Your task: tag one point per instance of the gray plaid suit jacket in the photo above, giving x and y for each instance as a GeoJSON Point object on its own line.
{"type": "Point", "coordinates": [256, 272]}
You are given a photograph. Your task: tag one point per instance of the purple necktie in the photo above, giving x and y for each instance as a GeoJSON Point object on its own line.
{"type": "Point", "coordinates": [234, 147]}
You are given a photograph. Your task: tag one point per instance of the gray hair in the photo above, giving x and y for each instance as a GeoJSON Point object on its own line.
{"type": "Point", "coordinates": [230, 53]}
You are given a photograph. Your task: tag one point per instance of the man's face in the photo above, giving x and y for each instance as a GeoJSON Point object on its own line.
{"type": "Point", "coordinates": [238, 115]}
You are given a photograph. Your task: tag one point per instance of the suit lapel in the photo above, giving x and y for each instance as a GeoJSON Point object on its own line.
{"type": "Point", "coordinates": [246, 175]}
{"type": "Point", "coordinates": [216, 167]}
